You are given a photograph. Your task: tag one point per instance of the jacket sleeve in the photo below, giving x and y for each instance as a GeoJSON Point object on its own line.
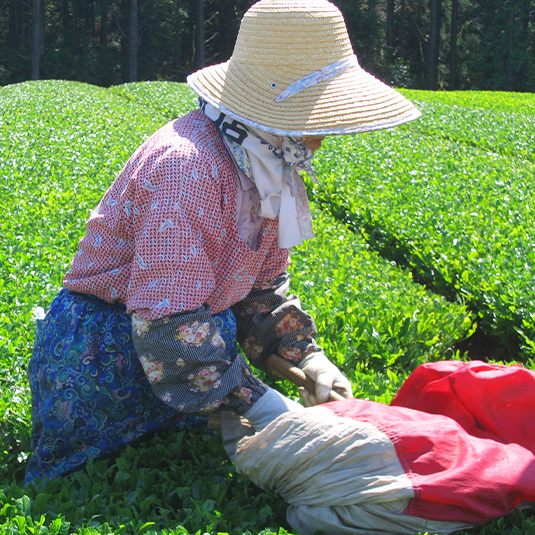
{"type": "Point", "coordinates": [269, 320]}
{"type": "Point", "coordinates": [185, 360]}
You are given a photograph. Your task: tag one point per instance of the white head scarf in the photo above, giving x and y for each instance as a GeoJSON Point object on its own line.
{"type": "Point", "coordinates": [273, 164]}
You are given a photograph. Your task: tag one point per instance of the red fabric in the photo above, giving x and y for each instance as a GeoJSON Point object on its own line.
{"type": "Point", "coordinates": [488, 400]}
{"type": "Point", "coordinates": [461, 471]}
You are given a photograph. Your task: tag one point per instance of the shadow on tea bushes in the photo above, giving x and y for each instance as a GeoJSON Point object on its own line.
{"type": "Point", "coordinates": [367, 310]}
{"type": "Point", "coordinates": [178, 482]}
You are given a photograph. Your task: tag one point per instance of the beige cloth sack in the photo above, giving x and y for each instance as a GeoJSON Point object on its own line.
{"type": "Point", "coordinates": [337, 474]}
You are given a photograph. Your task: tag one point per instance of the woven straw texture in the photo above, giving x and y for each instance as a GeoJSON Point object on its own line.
{"type": "Point", "coordinates": [281, 42]}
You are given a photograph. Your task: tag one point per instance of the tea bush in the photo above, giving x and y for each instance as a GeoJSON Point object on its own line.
{"type": "Point", "coordinates": [371, 314]}
{"type": "Point", "coordinates": [61, 145]}
{"type": "Point", "coordinates": [170, 98]}
{"type": "Point", "coordinates": [455, 205]}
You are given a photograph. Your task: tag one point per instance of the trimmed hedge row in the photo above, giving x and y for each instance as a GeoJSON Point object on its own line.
{"type": "Point", "coordinates": [61, 145]}
{"type": "Point", "coordinates": [370, 313]}
{"type": "Point", "coordinates": [460, 216]}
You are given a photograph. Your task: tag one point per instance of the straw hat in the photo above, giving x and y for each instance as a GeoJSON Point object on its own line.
{"type": "Point", "coordinates": [293, 72]}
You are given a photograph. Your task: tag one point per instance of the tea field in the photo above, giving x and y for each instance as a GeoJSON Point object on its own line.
{"type": "Point", "coordinates": [455, 206]}
{"type": "Point", "coordinates": [424, 248]}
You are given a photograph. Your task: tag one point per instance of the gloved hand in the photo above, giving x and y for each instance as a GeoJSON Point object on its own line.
{"type": "Point", "coordinates": [326, 376]}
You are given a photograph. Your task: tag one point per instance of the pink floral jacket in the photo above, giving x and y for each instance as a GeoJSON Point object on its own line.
{"type": "Point", "coordinates": [164, 241]}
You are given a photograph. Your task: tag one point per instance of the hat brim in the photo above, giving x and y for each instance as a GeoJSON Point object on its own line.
{"type": "Point", "coordinates": [348, 103]}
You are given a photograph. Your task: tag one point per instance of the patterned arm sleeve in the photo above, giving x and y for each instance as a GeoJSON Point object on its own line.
{"type": "Point", "coordinates": [272, 321]}
{"type": "Point", "coordinates": [188, 366]}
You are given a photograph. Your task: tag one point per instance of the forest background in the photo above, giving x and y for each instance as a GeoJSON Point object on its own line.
{"type": "Point", "coordinates": [418, 44]}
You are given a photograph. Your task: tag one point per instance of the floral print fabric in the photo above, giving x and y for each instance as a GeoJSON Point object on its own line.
{"type": "Point", "coordinates": [90, 395]}
{"type": "Point", "coordinates": [191, 366]}
{"type": "Point", "coordinates": [272, 321]}
{"type": "Point", "coordinates": [93, 392]}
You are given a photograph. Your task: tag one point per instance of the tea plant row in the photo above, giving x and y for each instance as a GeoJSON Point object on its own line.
{"type": "Point", "coordinates": [61, 145]}
{"type": "Point", "coordinates": [455, 209]}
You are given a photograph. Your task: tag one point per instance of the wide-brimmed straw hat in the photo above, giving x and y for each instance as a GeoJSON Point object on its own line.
{"type": "Point", "coordinates": [293, 72]}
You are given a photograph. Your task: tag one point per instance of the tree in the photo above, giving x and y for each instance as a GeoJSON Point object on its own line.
{"type": "Point", "coordinates": [133, 42]}
{"type": "Point", "coordinates": [454, 30]}
{"type": "Point", "coordinates": [390, 39]}
{"type": "Point", "coordinates": [16, 24]}
{"type": "Point", "coordinates": [201, 36]}
{"type": "Point", "coordinates": [38, 37]}
{"type": "Point", "coordinates": [435, 8]}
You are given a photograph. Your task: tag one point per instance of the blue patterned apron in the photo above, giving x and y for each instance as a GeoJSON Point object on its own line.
{"type": "Point", "coordinates": [90, 395]}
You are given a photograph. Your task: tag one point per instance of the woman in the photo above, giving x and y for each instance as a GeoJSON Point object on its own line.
{"type": "Point", "coordinates": [186, 254]}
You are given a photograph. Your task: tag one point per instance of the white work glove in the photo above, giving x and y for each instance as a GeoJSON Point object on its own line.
{"type": "Point", "coordinates": [326, 376]}
{"type": "Point", "coordinates": [268, 407]}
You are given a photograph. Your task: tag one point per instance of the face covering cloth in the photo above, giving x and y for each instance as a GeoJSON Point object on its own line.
{"type": "Point", "coordinates": [273, 164]}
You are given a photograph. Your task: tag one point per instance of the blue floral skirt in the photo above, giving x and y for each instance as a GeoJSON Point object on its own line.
{"type": "Point", "coordinates": [90, 395]}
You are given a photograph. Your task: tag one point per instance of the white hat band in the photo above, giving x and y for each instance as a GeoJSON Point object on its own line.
{"type": "Point", "coordinates": [327, 72]}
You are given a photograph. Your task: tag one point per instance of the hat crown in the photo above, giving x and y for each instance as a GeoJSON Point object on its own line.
{"type": "Point", "coordinates": [293, 72]}
{"type": "Point", "coordinates": [304, 34]}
